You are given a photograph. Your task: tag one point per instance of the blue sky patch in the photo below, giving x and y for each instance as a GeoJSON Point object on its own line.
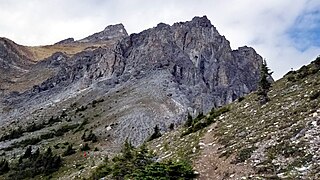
{"type": "Point", "coordinates": [306, 30]}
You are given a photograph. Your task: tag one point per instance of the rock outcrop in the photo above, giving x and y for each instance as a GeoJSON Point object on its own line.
{"type": "Point", "coordinates": [65, 41]}
{"type": "Point", "coordinates": [164, 73]}
{"type": "Point", "coordinates": [110, 32]}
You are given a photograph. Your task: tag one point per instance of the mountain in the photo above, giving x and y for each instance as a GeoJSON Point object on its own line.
{"type": "Point", "coordinates": [118, 86]}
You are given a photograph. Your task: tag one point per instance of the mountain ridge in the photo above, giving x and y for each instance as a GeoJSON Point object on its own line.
{"type": "Point", "coordinates": [122, 88]}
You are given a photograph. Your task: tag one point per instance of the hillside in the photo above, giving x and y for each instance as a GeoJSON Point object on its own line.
{"type": "Point", "coordinates": [278, 140]}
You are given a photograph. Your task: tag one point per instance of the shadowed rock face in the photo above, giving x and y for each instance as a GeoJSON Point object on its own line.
{"type": "Point", "coordinates": [164, 72]}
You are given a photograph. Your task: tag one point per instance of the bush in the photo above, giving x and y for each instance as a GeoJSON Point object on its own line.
{"type": "Point", "coordinates": [34, 127]}
{"type": "Point", "coordinates": [315, 95]}
{"type": "Point", "coordinates": [13, 134]}
{"type": "Point", "coordinates": [36, 164]}
{"type": "Point", "coordinates": [27, 153]}
{"type": "Point", "coordinates": [166, 170]}
{"type": "Point", "coordinates": [85, 147]}
{"type": "Point", "coordinates": [69, 151]}
{"type": "Point", "coordinates": [240, 99]}
{"type": "Point", "coordinates": [82, 108]}
{"type": "Point", "coordinates": [53, 120]}
{"type": "Point", "coordinates": [4, 166]}
{"type": "Point", "coordinates": [201, 121]}
{"type": "Point", "coordinates": [244, 154]}
{"type": "Point", "coordinates": [102, 170]}
{"type": "Point", "coordinates": [189, 121]}
{"type": "Point", "coordinates": [156, 133]}
{"type": "Point", "coordinates": [64, 129]}
{"type": "Point", "coordinates": [90, 137]}
{"type": "Point", "coordinates": [26, 142]}
{"type": "Point", "coordinates": [81, 126]}
{"type": "Point", "coordinates": [139, 163]}
{"type": "Point", "coordinates": [171, 127]}
{"type": "Point", "coordinates": [47, 136]}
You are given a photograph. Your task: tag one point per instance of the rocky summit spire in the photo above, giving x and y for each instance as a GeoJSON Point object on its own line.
{"type": "Point", "coordinates": [110, 32]}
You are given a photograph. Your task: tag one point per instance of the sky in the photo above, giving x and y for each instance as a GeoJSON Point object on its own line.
{"type": "Point", "coordinates": [284, 32]}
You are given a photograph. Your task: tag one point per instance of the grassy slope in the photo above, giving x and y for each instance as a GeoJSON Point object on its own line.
{"type": "Point", "coordinates": [277, 140]}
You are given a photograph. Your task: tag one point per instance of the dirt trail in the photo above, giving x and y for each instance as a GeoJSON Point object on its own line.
{"type": "Point", "coordinates": [210, 166]}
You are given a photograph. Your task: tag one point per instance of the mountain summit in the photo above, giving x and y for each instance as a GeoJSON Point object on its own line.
{"type": "Point", "coordinates": [110, 32]}
{"type": "Point", "coordinates": [120, 86]}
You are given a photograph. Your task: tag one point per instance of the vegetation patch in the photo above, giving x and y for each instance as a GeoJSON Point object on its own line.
{"type": "Point", "coordinates": [69, 151]}
{"type": "Point", "coordinates": [29, 165]}
{"type": "Point", "coordinates": [139, 163]}
{"type": "Point", "coordinates": [202, 121]}
{"type": "Point", "coordinates": [156, 133]}
{"type": "Point", "coordinates": [244, 154]}
{"type": "Point", "coordinates": [315, 95]}
{"type": "Point", "coordinates": [4, 166]}
{"type": "Point", "coordinates": [90, 137]}
{"type": "Point", "coordinates": [65, 128]}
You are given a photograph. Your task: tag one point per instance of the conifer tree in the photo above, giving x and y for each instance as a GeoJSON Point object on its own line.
{"type": "Point", "coordinates": [264, 83]}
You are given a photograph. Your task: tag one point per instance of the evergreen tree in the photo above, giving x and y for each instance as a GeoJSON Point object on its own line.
{"type": "Point", "coordinates": [189, 120]}
{"type": "Point", "coordinates": [69, 151]}
{"type": "Point", "coordinates": [156, 133]}
{"type": "Point", "coordinates": [4, 166]}
{"type": "Point", "coordinates": [264, 83]}
{"type": "Point", "coordinates": [27, 153]}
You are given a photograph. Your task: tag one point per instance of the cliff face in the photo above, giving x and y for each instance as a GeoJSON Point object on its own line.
{"type": "Point", "coordinates": [199, 59]}
{"type": "Point", "coordinates": [146, 79]}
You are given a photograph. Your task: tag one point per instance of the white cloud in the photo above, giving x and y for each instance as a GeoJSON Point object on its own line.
{"type": "Point", "coordinates": [257, 23]}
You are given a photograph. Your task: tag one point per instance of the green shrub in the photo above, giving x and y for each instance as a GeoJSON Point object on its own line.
{"type": "Point", "coordinates": [26, 142]}
{"type": "Point", "coordinates": [82, 108]}
{"type": "Point", "coordinates": [189, 121]}
{"type": "Point", "coordinates": [102, 170]}
{"type": "Point", "coordinates": [156, 133]}
{"type": "Point", "coordinates": [47, 136]}
{"type": "Point", "coordinates": [45, 163]}
{"type": "Point", "coordinates": [201, 121]}
{"type": "Point", "coordinates": [85, 147]}
{"type": "Point", "coordinates": [65, 128]}
{"type": "Point", "coordinates": [13, 134]}
{"type": "Point", "coordinates": [69, 151]}
{"type": "Point", "coordinates": [244, 154]}
{"type": "Point", "coordinates": [27, 153]}
{"type": "Point", "coordinates": [81, 126]}
{"type": "Point", "coordinates": [240, 99]}
{"type": "Point", "coordinates": [4, 166]}
{"type": "Point", "coordinates": [171, 127]}
{"type": "Point", "coordinates": [139, 163]}
{"type": "Point", "coordinates": [34, 127]}
{"type": "Point", "coordinates": [90, 137]}
{"type": "Point", "coordinates": [94, 102]}
{"type": "Point", "coordinates": [53, 120]}
{"type": "Point", "coordinates": [166, 170]}
{"type": "Point", "coordinates": [315, 95]}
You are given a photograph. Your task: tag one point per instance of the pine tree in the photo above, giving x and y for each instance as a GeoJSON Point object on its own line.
{"type": "Point", "coordinates": [189, 121]}
{"type": "Point", "coordinates": [27, 153]}
{"type": "Point", "coordinates": [4, 166]}
{"type": "Point", "coordinates": [156, 133]}
{"type": "Point", "coordinates": [264, 83]}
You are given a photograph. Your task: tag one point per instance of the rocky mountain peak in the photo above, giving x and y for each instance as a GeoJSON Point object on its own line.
{"type": "Point", "coordinates": [155, 77]}
{"type": "Point", "coordinates": [65, 41]}
{"type": "Point", "coordinates": [110, 32]}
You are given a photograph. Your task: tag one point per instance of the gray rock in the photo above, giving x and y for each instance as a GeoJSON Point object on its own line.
{"type": "Point", "coordinates": [65, 41]}
{"type": "Point", "coordinates": [165, 72]}
{"type": "Point", "coordinates": [110, 32]}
